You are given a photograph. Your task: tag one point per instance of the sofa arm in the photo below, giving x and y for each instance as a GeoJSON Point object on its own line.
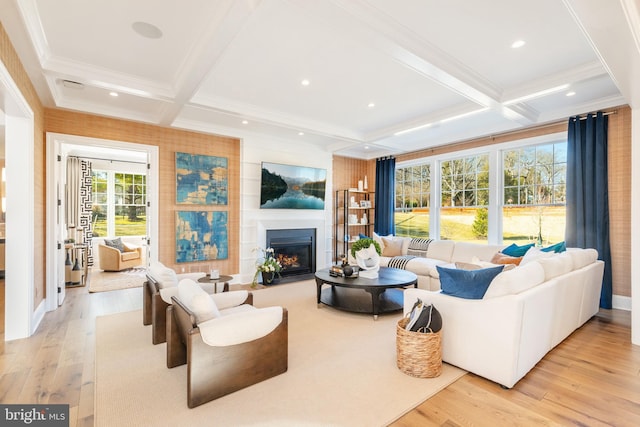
{"type": "Point", "coordinates": [241, 327]}
{"type": "Point", "coordinates": [109, 258]}
{"type": "Point", "coordinates": [481, 336]}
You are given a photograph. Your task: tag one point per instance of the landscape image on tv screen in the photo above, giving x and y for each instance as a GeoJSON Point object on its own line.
{"type": "Point", "coordinates": [292, 187]}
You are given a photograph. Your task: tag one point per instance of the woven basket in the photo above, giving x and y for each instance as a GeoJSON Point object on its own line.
{"type": "Point", "coordinates": [419, 354]}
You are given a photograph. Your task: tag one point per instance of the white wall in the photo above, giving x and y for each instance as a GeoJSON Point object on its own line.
{"type": "Point", "coordinates": [255, 221]}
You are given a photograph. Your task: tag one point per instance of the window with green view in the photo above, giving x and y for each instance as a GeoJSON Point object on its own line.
{"type": "Point", "coordinates": [534, 193]}
{"type": "Point", "coordinates": [413, 191]}
{"type": "Point", "coordinates": [119, 204]}
{"type": "Point", "coordinates": [464, 197]}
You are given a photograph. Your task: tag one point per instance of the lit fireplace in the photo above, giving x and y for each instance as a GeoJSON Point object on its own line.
{"type": "Point", "coordinates": [296, 251]}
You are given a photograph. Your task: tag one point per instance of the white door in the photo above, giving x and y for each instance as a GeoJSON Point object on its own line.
{"type": "Point", "coordinates": [55, 223]}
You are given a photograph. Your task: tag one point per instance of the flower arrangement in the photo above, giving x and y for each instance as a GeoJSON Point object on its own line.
{"type": "Point", "coordinates": [266, 263]}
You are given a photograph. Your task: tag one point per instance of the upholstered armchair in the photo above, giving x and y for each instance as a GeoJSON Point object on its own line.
{"type": "Point", "coordinates": [224, 352]}
{"type": "Point", "coordinates": [160, 286]}
{"type": "Point", "coordinates": [112, 259]}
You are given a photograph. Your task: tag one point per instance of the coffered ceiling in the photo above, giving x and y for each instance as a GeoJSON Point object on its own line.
{"type": "Point", "coordinates": [382, 76]}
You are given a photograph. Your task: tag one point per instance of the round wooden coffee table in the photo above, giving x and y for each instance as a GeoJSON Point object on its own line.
{"type": "Point", "coordinates": [222, 279]}
{"type": "Point", "coordinates": [347, 293]}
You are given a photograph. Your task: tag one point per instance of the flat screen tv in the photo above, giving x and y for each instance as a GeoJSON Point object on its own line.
{"type": "Point", "coordinates": [292, 187]}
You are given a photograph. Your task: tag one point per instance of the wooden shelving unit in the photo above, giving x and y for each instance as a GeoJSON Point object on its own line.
{"type": "Point", "coordinates": [351, 207]}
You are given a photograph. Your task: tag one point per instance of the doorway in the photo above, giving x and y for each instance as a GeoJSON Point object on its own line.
{"type": "Point", "coordinates": [98, 151]}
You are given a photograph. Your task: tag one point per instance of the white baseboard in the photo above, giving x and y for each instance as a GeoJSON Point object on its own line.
{"type": "Point", "coordinates": [621, 302]}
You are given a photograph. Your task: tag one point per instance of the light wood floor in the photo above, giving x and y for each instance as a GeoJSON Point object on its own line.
{"type": "Point", "coordinates": [591, 379]}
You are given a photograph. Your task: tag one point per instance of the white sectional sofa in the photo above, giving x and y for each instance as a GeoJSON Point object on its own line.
{"type": "Point", "coordinates": [524, 313]}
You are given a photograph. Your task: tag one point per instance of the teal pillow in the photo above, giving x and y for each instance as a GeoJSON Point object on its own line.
{"type": "Point", "coordinates": [515, 250]}
{"type": "Point", "coordinates": [469, 284]}
{"type": "Point", "coordinates": [557, 248]}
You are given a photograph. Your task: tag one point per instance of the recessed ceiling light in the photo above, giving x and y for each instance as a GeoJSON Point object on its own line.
{"type": "Point", "coordinates": [147, 30]}
{"type": "Point", "coordinates": [245, 122]}
{"type": "Point", "coordinates": [114, 94]}
{"type": "Point", "coordinates": [366, 147]}
{"type": "Point", "coordinates": [571, 93]}
{"type": "Point", "coordinates": [371, 105]}
{"type": "Point", "coordinates": [518, 43]}
{"type": "Point", "coordinates": [301, 133]}
{"type": "Point", "coordinates": [305, 82]}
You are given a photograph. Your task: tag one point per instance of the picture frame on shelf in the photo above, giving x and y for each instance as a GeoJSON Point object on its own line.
{"type": "Point", "coordinates": [365, 204]}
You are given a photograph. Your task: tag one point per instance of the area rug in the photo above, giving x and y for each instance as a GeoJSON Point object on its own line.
{"type": "Point", "coordinates": [342, 372]}
{"type": "Point", "coordinates": [104, 281]}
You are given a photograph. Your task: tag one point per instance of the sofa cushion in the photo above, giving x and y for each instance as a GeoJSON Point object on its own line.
{"type": "Point", "coordinates": [469, 284]}
{"type": "Point", "coordinates": [241, 327]}
{"type": "Point", "coordinates": [441, 249]}
{"type": "Point", "coordinates": [197, 301]}
{"type": "Point", "coordinates": [392, 247]}
{"type": "Point", "coordinates": [464, 251]}
{"type": "Point", "coordinates": [516, 250]}
{"type": "Point", "coordinates": [126, 256]}
{"type": "Point", "coordinates": [582, 257]}
{"type": "Point", "coordinates": [516, 280]}
{"type": "Point", "coordinates": [115, 243]}
{"type": "Point", "coordinates": [556, 265]}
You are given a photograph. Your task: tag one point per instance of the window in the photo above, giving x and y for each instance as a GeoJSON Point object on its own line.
{"type": "Point", "coordinates": [512, 192]}
{"type": "Point", "coordinates": [119, 204]}
{"type": "Point", "coordinates": [413, 191]}
{"type": "Point", "coordinates": [464, 197]}
{"type": "Point", "coordinates": [534, 193]}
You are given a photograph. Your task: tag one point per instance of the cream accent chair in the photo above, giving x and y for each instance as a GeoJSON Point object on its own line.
{"type": "Point", "coordinates": [226, 346]}
{"type": "Point", "coordinates": [160, 286]}
{"type": "Point", "coordinates": [111, 259]}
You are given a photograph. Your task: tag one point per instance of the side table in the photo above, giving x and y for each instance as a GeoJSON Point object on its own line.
{"type": "Point", "coordinates": [222, 279]}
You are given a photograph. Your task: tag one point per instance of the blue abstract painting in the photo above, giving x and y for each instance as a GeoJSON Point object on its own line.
{"type": "Point", "coordinates": [201, 180]}
{"type": "Point", "coordinates": [201, 236]}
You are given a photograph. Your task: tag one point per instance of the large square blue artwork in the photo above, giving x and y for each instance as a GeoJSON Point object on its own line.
{"type": "Point", "coordinates": [201, 236]}
{"type": "Point", "coordinates": [201, 180]}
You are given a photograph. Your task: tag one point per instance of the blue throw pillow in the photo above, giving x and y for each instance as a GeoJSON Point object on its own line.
{"type": "Point", "coordinates": [515, 250]}
{"type": "Point", "coordinates": [469, 284]}
{"type": "Point", "coordinates": [557, 248]}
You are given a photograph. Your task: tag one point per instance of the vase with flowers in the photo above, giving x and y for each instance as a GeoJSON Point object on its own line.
{"type": "Point", "coordinates": [267, 266]}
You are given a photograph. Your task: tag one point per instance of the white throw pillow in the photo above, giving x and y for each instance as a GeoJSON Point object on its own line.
{"type": "Point", "coordinates": [535, 254]}
{"type": "Point", "coordinates": [197, 300]}
{"type": "Point", "coordinates": [165, 277]}
{"type": "Point", "coordinates": [516, 280]}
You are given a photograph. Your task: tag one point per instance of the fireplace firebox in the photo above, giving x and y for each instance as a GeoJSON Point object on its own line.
{"type": "Point", "coordinates": [296, 251]}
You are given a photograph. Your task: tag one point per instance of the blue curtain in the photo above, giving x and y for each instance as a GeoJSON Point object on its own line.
{"type": "Point", "coordinates": [587, 192]}
{"type": "Point", "coordinates": [385, 196]}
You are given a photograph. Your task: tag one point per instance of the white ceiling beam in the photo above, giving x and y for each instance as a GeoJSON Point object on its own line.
{"type": "Point", "coordinates": [229, 21]}
{"type": "Point", "coordinates": [381, 32]}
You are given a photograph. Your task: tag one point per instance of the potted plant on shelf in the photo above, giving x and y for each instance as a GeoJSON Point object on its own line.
{"type": "Point", "coordinates": [267, 266]}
